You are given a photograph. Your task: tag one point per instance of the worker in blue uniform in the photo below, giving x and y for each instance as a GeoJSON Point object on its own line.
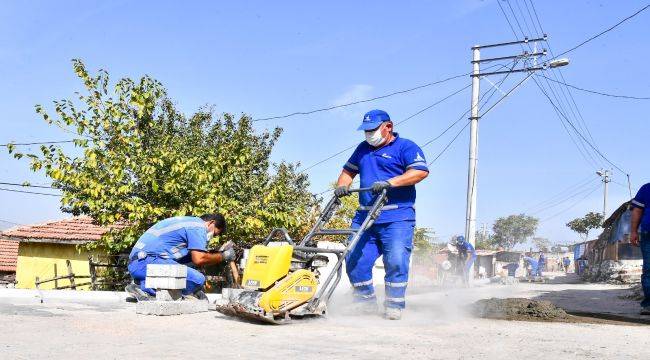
{"type": "Point", "coordinates": [640, 236]}
{"type": "Point", "coordinates": [385, 161]}
{"type": "Point", "coordinates": [177, 240]}
{"type": "Point", "coordinates": [466, 256]}
{"type": "Point", "coordinates": [532, 265]}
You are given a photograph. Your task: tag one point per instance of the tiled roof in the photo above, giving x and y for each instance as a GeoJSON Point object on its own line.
{"type": "Point", "coordinates": [8, 255]}
{"type": "Point", "coordinates": [75, 230]}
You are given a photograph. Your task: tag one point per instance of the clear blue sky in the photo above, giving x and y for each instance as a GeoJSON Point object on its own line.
{"type": "Point", "coordinates": [266, 58]}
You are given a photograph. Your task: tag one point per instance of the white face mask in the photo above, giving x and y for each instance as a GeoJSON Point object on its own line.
{"type": "Point", "coordinates": [374, 138]}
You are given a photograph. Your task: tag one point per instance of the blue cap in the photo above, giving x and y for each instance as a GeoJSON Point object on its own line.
{"type": "Point", "coordinates": [372, 119]}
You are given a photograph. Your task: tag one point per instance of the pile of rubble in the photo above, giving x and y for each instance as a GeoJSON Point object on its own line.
{"type": "Point", "coordinates": [615, 272]}
{"type": "Point", "coordinates": [518, 309]}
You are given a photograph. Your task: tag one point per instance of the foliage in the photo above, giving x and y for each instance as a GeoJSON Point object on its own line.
{"type": "Point", "coordinates": [422, 238]}
{"type": "Point", "coordinates": [542, 244]}
{"type": "Point", "coordinates": [513, 230]}
{"type": "Point", "coordinates": [485, 241]}
{"type": "Point", "coordinates": [139, 160]}
{"type": "Point", "coordinates": [584, 224]}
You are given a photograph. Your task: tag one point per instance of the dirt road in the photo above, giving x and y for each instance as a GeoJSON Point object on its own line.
{"type": "Point", "coordinates": [436, 326]}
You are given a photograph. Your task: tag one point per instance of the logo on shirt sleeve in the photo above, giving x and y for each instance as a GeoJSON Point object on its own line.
{"type": "Point", "coordinates": [418, 158]}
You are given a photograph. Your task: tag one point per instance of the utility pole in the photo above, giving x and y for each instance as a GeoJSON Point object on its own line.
{"type": "Point", "coordinates": [470, 213]}
{"type": "Point", "coordinates": [606, 179]}
{"type": "Point", "coordinates": [470, 218]}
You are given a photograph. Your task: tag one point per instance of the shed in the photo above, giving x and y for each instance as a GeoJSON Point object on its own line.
{"type": "Point", "coordinates": [43, 249]}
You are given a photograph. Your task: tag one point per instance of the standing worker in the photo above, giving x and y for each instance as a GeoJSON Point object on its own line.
{"type": "Point", "coordinates": [385, 161]}
{"type": "Point", "coordinates": [466, 256]}
{"type": "Point", "coordinates": [177, 240]}
{"type": "Point", "coordinates": [640, 236]}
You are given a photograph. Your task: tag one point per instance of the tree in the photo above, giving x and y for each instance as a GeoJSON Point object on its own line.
{"type": "Point", "coordinates": [513, 230]}
{"type": "Point", "coordinates": [485, 241]}
{"type": "Point", "coordinates": [139, 160]}
{"type": "Point", "coordinates": [542, 244]}
{"type": "Point", "coordinates": [422, 241]}
{"type": "Point", "coordinates": [584, 224]}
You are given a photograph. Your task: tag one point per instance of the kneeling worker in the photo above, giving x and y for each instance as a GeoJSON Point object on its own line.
{"type": "Point", "coordinates": [177, 240]}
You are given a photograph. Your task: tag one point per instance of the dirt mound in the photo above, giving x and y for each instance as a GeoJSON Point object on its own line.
{"type": "Point", "coordinates": [518, 309]}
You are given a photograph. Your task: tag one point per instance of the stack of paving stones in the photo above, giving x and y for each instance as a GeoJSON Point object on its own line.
{"type": "Point", "coordinates": [169, 281]}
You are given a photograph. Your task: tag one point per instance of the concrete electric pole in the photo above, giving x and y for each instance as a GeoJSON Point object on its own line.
{"type": "Point", "coordinates": [606, 179]}
{"type": "Point", "coordinates": [470, 218]}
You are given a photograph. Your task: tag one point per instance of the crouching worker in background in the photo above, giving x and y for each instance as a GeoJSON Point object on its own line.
{"type": "Point", "coordinates": [177, 240]}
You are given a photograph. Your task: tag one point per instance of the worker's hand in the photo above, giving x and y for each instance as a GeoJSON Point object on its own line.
{"type": "Point", "coordinates": [634, 238]}
{"type": "Point", "coordinates": [379, 186]}
{"type": "Point", "coordinates": [228, 255]}
{"type": "Point", "coordinates": [342, 191]}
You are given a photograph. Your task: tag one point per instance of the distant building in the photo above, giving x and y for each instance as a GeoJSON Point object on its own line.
{"type": "Point", "coordinates": [42, 250]}
{"type": "Point", "coordinates": [8, 258]}
{"type": "Point", "coordinates": [611, 257]}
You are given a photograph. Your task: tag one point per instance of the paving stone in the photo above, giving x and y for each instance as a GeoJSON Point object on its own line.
{"type": "Point", "coordinates": [165, 283]}
{"type": "Point", "coordinates": [167, 270]}
{"type": "Point", "coordinates": [166, 308]}
{"type": "Point", "coordinates": [168, 295]}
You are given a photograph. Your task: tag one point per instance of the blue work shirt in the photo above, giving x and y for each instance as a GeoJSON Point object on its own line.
{"type": "Point", "coordinates": [172, 239]}
{"type": "Point", "coordinates": [641, 201]}
{"type": "Point", "coordinates": [533, 263]}
{"type": "Point", "coordinates": [381, 164]}
{"type": "Point", "coordinates": [465, 247]}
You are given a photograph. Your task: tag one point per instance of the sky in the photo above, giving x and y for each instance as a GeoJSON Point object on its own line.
{"type": "Point", "coordinates": [270, 58]}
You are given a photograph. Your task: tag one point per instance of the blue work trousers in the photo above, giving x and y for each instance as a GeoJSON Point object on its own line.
{"type": "Point", "coordinates": [138, 270]}
{"type": "Point", "coordinates": [644, 236]}
{"type": "Point", "coordinates": [393, 241]}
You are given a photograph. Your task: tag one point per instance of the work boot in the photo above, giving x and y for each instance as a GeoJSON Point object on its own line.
{"type": "Point", "coordinates": [393, 313]}
{"type": "Point", "coordinates": [198, 295]}
{"type": "Point", "coordinates": [135, 291]}
{"type": "Point", "coordinates": [645, 310]}
{"type": "Point", "coordinates": [365, 308]}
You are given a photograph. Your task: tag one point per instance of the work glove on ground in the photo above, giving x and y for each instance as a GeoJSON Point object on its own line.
{"type": "Point", "coordinates": [228, 255]}
{"type": "Point", "coordinates": [342, 191]}
{"type": "Point", "coordinates": [379, 186]}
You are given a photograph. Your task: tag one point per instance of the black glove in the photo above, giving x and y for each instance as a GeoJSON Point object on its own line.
{"type": "Point", "coordinates": [342, 191]}
{"type": "Point", "coordinates": [228, 255]}
{"type": "Point", "coordinates": [379, 186]}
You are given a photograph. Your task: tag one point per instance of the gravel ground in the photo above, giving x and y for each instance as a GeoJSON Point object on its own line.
{"type": "Point", "coordinates": [435, 326]}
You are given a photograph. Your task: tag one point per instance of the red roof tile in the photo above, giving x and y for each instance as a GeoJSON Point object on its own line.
{"type": "Point", "coordinates": [8, 255]}
{"type": "Point", "coordinates": [75, 230]}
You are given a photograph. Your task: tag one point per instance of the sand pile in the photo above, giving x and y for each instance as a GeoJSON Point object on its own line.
{"type": "Point", "coordinates": [518, 309]}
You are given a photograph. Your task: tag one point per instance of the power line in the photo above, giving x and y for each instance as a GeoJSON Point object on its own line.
{"type": "Point", "coordinates": [28, 192]}
{"type": "Point", "coordinates": [38, 143]}
{"type": "Point", "coordinates": [400, 122]}
{"type": "Point", "coordinates": [361, 101]}
{"type": "Point", "coordinates": [603, 32]}
{"type": "Point", "coordinates": [572, 206]}
{"type": "Point", "coordinates": [582, 183]}
{"type": "Point", "coordinates": [27, 185]}
{"type": "Point", "coordinates": [598, 92]}
{"type": "Point", "coordinates": [10, 222]}
{"type": "Point", "coordinates": [580, 134]}
{"type": "Point", "coordinates": [567, 198]}
{"type": "Point", "coordinates": [584, 152]}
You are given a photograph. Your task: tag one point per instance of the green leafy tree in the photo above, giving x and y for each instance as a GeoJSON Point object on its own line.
{"type": "Point", "coordinates": [485, 241]}
{"type": "Point", "coordinates": [514, 229]}
{"type": "Point", "coordinates": [139, 160]}
{"type": "Point", "coordinates": [586, 223]}
{"type": "Point", "coordinates": [422, 241]}
{"type": "Point", "coordinates": [542, 244]}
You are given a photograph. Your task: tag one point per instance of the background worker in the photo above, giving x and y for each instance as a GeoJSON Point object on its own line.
{"type": "Point", "coordinates": [466, 256]}
{"type": "Point", "coordinates": [531, 265]}
{"type": "Point", "coordinates": [566, 262]}
{"type": "Point", "coordinates": [385, 161]}
{"type": "Point", "coordinates": [177, 240]}
{"type": "Point", "coordinates": [640, 236]}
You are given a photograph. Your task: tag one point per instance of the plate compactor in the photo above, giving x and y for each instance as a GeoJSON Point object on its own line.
{"type": "Point", "coordinates": [283, 282]}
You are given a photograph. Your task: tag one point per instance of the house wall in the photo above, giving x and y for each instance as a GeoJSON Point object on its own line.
{"type": "Point", "coordinates": [38, 259]}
